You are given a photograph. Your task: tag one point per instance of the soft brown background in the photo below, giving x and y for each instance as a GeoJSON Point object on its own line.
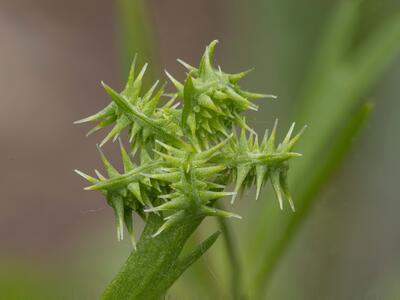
{"type": "Point", "coordinates": [53, 55]}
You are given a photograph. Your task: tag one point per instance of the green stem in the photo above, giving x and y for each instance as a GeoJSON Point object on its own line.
{"type": "Point", "coordinates": [150, 270]}
{"type": "Point", "coordinates": [230, 247]}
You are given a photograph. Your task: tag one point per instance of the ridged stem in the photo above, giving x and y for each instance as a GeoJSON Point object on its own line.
{"type": "Point", "coordinates": [150, 270]}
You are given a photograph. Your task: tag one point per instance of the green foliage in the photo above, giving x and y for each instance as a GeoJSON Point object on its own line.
{"type": "Point", "coordinates": [330, 103]}
{"type": "Point", "coordinates": [188, 156]}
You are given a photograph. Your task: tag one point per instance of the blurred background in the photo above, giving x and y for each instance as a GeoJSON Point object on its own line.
{"type": "Point", "coordinates": [323, 59]}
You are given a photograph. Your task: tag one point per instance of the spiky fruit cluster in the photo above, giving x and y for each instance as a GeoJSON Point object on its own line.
{"type": "Point", "coordinates": [187, 155]}
{"type": "Point", "coordinates": [213, 100]}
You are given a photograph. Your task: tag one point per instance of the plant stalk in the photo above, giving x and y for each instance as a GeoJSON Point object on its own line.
{"type": "Point", "coordinates": [233, 257]}
{"type": "Point", "coordinates": [150, 270]}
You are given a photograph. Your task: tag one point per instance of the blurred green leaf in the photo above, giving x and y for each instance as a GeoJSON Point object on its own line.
{"type": "Point", "coordinates": [236, 287]}
{"type": "Point", "coordinates": [338, 81]}
{"type": "Point", "coordinates": [332, 158]}
{"type": "Point", "coordinates": [135, 34]}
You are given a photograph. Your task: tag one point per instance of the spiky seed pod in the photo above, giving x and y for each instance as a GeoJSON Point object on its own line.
{"type": "Point", "coordinates": [125, 193]}
{"type": "Point", "coordinates": [255, 162]}
{"type": "Point", "coordinates": [213, 100]}
{"type": "Point", "coordinates": [192, 181]}
{"type": "Point", "coordinates": [187, 155]}
{"type": "Point", "coordinates": [144, 105]}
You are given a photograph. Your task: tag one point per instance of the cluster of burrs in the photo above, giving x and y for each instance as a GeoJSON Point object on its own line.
{"type": "Point", "coordinates": [186, 156]}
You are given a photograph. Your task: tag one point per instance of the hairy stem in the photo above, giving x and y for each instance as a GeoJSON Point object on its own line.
{"type": "Point", "coordinates": [150, 270]}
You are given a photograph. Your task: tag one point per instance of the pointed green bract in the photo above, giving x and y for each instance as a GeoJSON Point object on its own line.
{"type": "Point", "coordinates": [188, 148]}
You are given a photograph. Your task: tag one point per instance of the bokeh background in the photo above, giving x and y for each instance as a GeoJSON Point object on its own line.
{"type": "Point", "coordinates": [58, 241]}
